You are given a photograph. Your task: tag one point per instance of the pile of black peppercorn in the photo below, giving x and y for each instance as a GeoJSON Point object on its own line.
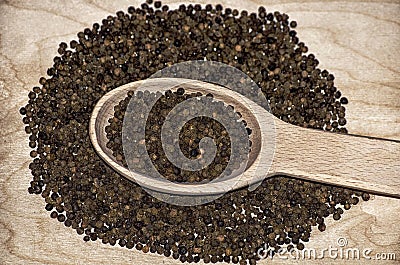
{"type": "Point", "coordinates": [189, 136]}
{"type": "Point", "coordinates": [84, 193]}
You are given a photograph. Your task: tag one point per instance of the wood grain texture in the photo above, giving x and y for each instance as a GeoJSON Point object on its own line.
{"type": "Point", "coordinates": [356, 40]}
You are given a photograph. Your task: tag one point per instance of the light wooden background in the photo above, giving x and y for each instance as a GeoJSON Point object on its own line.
{"type": "Point", "coordinates": [358, 41]}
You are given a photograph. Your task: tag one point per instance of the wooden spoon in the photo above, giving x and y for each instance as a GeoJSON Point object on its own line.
{"type": "Point", "coordinates": [357, 162]}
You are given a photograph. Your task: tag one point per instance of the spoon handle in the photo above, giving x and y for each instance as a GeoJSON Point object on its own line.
{"type": "Point", "coordinates": [364, 163]}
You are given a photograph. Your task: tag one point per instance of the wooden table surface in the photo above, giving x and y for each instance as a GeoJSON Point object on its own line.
{"type": "Point", "coordinates": [358, 41]}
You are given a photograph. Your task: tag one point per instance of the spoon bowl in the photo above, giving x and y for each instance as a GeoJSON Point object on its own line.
{"type": "Point", "coordinates": [104, 110]}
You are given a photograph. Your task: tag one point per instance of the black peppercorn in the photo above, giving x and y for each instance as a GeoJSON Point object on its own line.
{"type": "Point", "coordinates": [344, 100]}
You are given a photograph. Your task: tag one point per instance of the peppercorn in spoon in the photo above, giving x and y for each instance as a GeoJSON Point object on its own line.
{"type": "Point", "coordinates": [278, 148]}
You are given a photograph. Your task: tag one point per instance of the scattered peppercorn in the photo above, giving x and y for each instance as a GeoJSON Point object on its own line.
{"type": "Point", "coordinates": [133, 46]}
